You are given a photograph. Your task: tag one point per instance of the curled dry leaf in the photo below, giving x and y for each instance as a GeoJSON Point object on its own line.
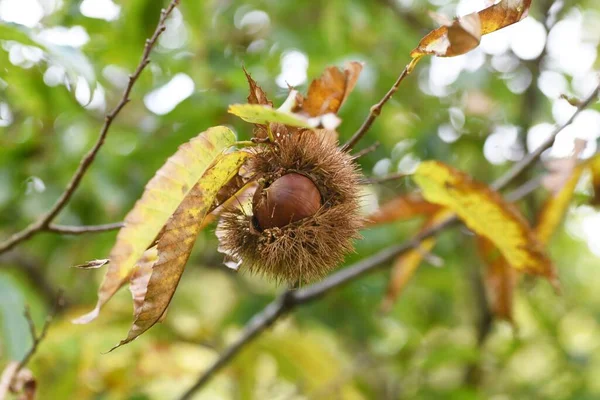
{"type": "Point", "coordinates": [405, 265]}
{"type": "Point", "coordinates": [93, 264]}
{"type": "Point", "coordinates": [175, 246]}
{"type": "Point", "coordinates": [499, 278]}
{"type": "Point", "coordinates": [256, 95]}
{"type": "Point", "coordinates": [401, 208]}
{"type": "Point", "coordinates": [162, 195]}
{"type": "Point", "coordinates": [6, 378]}
{"type": "Point", "coordinates": [485, 212]}
{"type": "Point", "coordinates": [464, 33]}
{"type": "Point", "coordinates": [574, 101]}
{"type": "Point", "coordinates": [327, 93]}
{"type": "Point", "coordinates": [21, 382]}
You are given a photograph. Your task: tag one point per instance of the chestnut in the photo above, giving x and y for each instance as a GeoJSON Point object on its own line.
{"type": "Point", "coordinates": [288, 199]}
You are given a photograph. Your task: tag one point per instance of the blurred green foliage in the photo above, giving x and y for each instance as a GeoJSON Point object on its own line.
{"type": "Point", "coordinates": [339, 347]}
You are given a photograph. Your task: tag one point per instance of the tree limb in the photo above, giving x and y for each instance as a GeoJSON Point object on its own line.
{"type": "Point", "coordinates": [289, 300]}
{"type": "Point", "coordinates": [518, 168]}
{"type": "Point", "coordinates": [44, 221]}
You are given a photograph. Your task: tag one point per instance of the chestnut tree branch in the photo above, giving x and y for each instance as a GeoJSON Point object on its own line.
{"type": "Point", "coordinates": [376, 110]}
{"type": "Point", "coordinates": [518, 168]}
{"type": "Point", "coordinates": [291, 299]}
{"type": "Point", "coordinates": [43, 223]}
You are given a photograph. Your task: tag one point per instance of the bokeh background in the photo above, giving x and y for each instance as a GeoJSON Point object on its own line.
{"type": "Point", "coordinates": [64, 63]}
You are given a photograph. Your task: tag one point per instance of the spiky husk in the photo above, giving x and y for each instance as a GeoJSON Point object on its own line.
{"type": "Point", "coordinates": [308, 249]}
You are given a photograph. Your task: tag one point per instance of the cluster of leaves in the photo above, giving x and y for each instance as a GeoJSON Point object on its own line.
{"type": "Point", "coordinates": [446, 192]}
{"type": "Point", "coordinates": [508, 245]}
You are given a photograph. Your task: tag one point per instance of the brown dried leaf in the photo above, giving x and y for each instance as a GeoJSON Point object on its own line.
{"type": "Point", "coordinates": [256, 95]}
{"type": "Point", "coordinates": [401, 208]}
{"type": "Point", "coordinates": [6, 378]}
{"type": "Point", "coordinates": [595, 168]}
{"type": "Point", "coordinates": [500, 280]}
{"type": "Point", "coordinates": [93, 264]}
{"type": "Point", "coordinates": [328, 93]}
{"type": "Point", "coordinates": [175, 245]}
{"type": "Point", "coordinates": [465, 32]}
{"type": "Point", "coordinates": [405, 265]}
{"type": "Point", "coordinates": [22, 382]}
{"type": "Point", "coordinates": [138, 283]}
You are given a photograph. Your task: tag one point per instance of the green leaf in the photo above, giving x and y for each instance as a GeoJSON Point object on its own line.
{"type": "Point", "coordinates": [261, 114]}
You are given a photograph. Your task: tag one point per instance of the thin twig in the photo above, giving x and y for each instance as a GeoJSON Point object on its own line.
{"type": "Point", "coordinates": [36, 340]}
{"type": "Point", "coordinates": [387, 178]}
{"type": "Point", "coordinates": [44, 221]}
{"type": "Point", "coordinates": [524, 190]}
{"type": "Point", "coordinates": [518, 168]}
{"type": "Point", "coordinates": [376, 110]}
{"type": "Point", "coordinates": [366, 151]}
{"type": "Point", "coordinates": [289, 300]}
{"type": "Point", "coordinates": [79, 230]}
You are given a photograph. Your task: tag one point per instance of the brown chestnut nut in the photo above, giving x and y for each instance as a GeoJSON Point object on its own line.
{"type": "Point", "coordinates": [288, 199]}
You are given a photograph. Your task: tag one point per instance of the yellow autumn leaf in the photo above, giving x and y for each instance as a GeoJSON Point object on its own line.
{"type": "Point", "coordinates": [554, 209]}
{"type": "Point", "coordinates": [161, 197]}
{"type": "Point", "coordinates": [595, 169]}
{"type": "Point", "coordinates": [406, 265]}
{"type": "Point", "coordinates": [175, 244]}
{"type": "Point", "coordinates": [263, 114]}
{"type": "Point", "coordinates": [486, 213]}
{"type": "Point", "coordinates": [327, 93]}
{"type": "Point", "coordinates": [500, 280]}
